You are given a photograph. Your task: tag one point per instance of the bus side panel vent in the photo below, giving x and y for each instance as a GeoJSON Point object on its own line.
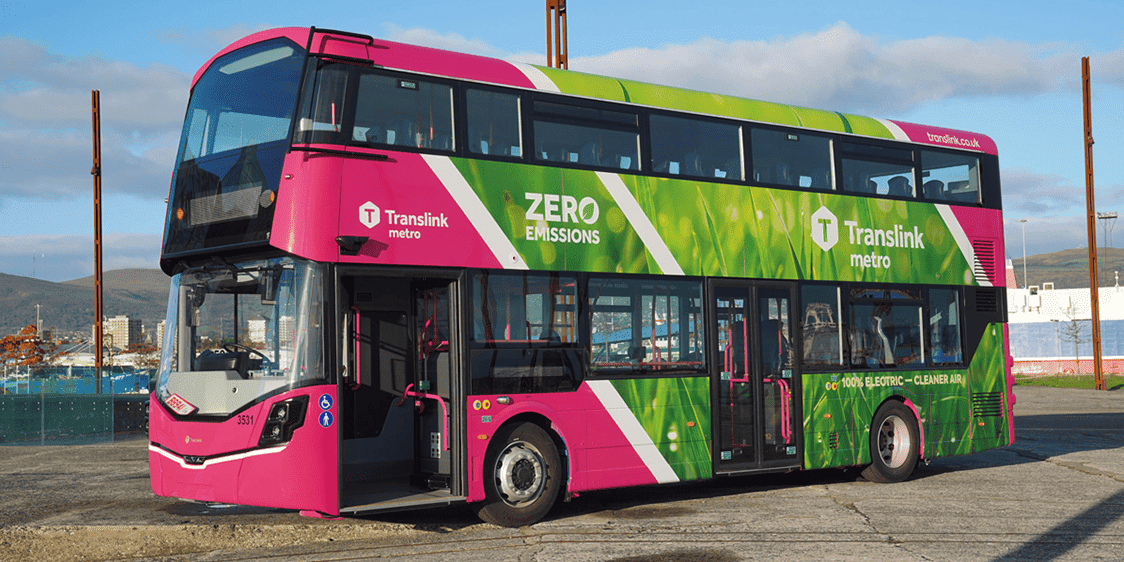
{"type": "Point", "coordinates": [987, 405]}
{"type": "Point", "coordinates": [985, 264]}
{"type": "Point", "coordinates": [833, 440]}
{"type": "Point", "coordinates": [987, 300]}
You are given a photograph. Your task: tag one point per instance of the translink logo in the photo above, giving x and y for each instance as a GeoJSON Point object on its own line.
{"type": "Point", "coordinates": [825, 228]}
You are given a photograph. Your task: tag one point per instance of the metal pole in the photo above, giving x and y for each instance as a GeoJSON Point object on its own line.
{"type": "Point", "coordinates": [1091, 220]}
{"type": "Point", "coordinates": [1025, 286]}
{"type": "Point", "coordinates": [95, 96]}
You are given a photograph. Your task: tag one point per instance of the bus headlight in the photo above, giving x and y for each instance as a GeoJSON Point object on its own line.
{"type": "Point", "coordinates": [284, 418]}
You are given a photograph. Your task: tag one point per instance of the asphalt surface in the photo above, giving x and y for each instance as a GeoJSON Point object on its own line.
{"type": "Point", "coordinates": [1057, 493]}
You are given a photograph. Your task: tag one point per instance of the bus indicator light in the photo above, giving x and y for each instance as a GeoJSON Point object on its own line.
{"type": "Point", "coordinates": [179, 214]}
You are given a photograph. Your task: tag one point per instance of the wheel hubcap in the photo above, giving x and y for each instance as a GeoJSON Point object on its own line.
{"type": "Point", "coordinates": [520, 474]}
{"type": "Point", "coordinates": [893, 442]}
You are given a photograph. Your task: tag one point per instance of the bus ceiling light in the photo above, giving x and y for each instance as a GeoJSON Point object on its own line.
{"type": "Point", "coordinates": [284, 418]}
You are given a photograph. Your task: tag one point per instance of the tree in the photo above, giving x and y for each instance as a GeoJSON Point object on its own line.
{"type": "Point", "coordinates": [23, 349]}
{"type": "Point", "coordinates": [1073, 330]}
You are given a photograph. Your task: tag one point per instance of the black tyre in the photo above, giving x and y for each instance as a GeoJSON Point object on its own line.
{"type": "Point", "coordinates": [522, 476]}
{"type": "Point", "coordinates": [894, 444]}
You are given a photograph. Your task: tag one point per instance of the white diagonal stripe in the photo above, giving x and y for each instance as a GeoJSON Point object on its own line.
{"type": "Point", "coordinates": [895, 130]}
{"type": "Point", "coordinates": [962, 241]}
{"type": "Point", "coordinates": [640, 223]}
{"type": "Point", "coordinates": [476, 212]}
{"type": "Point", "coordinates": [537, 77]}
{"type": "Point", "coordinates": [633, 431]}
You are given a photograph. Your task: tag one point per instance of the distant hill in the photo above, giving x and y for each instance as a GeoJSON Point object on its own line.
{"type": "Point", "coordinates": [1069, 269]}
{"type": "Point", "coordinates": [69, 306]}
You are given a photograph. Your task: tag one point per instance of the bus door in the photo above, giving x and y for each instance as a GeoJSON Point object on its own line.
{"type": "Point", "coordinates": [754, 384]}
{"type": "Point", "coordinates": [399, 393]}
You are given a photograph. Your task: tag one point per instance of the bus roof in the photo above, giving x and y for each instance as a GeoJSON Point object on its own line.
{"type": "Point", "coordinates": [427, 60]}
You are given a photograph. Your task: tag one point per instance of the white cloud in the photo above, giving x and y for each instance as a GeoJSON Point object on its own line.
{"type": "Point", "coordinates": [62, 258]}
{"type": "Point", "coordinates": [447, 41]}
{"type": "Point", "coordinates": [841, 69]}
{"type": "Point", "coordinates": [1025, 191]}
{"type": "Point", "coordinates": [45, 109]}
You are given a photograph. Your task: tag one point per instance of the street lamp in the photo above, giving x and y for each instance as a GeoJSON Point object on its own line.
{"type": "Point", "coordinates": [1025, 286]}
{"type": "Point", "coordinates": [1106, 216]}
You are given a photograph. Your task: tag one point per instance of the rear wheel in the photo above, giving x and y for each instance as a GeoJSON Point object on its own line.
{"type": "Point", "coordinates": [521, 476]}
{"type": "Point", "coordinates": [894, 444]}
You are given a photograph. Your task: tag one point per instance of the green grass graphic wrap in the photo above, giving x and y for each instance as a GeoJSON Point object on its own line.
{"type": "Point", "coordinates": [840, 406]}
{"type": "Point", "coordinates": [721, 230]}
{"type": "Point", "coordinates": [675, 413]}
{"type": "Point", "coordinates": [693, 101]}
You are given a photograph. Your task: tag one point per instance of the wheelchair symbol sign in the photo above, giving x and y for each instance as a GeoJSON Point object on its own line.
{"type": "Point", "coordinates": [325, 402]}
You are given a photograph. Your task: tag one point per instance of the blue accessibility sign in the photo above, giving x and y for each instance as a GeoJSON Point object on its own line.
{"type": "Point", "coordinates": [326, 419]}
{"type": "Point", "coordinates": [325, 401]}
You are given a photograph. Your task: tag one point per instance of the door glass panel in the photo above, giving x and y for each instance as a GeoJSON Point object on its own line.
{"type": "Point", "coordinates": [737, 434]}
{"type": "Point", "coordinates": [774, 328]}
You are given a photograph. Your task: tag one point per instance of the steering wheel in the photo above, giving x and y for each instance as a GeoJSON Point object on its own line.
{"type": "Point", "coordinates": [236, 347]}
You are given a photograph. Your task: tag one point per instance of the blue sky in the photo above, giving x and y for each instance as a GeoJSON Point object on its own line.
{"type": "Point", "coordinates": [1009, 70]}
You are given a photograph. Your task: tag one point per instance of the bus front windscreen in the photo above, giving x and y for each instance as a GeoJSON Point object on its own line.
{"type": "Point", "coordinates": [234, 140]}
{"type": "Point", "coordinates": [236, 333]}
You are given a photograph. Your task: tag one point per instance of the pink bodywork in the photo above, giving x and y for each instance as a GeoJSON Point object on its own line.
{"type": "Point", "coordinates": [985, 224]}
{"type": "Point", "coordinates": [949, 138]}
{"type": "Point", "coordinates": [300, 474]}
{"type": "Point", "coordinates": [600, 455]}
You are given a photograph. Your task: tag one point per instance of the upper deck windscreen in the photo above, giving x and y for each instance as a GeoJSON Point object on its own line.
{"type": "Point", "coordinates": [231, 150]}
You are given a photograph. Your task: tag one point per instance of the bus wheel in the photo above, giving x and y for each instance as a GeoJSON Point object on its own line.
{"type": "Point", "coordinates": [521, 476]}
{"type": "Point", "coordinates": [893, 444]}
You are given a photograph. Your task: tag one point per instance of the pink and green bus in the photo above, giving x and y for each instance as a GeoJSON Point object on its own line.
{"type": "Point", "coordinates": [405, 277]}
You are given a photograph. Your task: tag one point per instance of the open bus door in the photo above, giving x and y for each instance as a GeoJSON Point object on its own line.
{"type": "Point", "coordinates": [402, 393]}
{"type": "Point", "coordinates": [754, 383]}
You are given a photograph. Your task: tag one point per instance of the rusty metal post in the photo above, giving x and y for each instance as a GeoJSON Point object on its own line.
{"type": "Point", "coordinates": [95, 96]}
{"type": "Point", "coordinates": [556, 43]}
{"type": "Point", "coordinates": [1091, 219]}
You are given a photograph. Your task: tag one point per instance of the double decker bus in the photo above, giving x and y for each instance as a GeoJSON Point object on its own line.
{"type": "Point", "coordinates": [405, 277]}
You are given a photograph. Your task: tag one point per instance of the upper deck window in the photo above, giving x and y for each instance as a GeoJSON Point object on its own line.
{"type": "Point", "coordinates": [495, 124]}
{"type": "Point", "coordinates": [403, 112]}
{"type": "Point", "coordinates": [599, 138]}
{"type": "Point", "coordinates": [792, 159]}
{"type": "Point", "coordinates": [950, 177]}
{"type": "Point", "coordinates": [246, 98]}
{"type": "Point", "coordinates": [878, 170]}
{"type": "Point", "coordinates": [696, 148]}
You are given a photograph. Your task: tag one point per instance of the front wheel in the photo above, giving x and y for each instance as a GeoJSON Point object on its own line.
{"type": "Point", "coordinates": [521, 476]}
{"type": "Point", "coordinates": [893, 444]}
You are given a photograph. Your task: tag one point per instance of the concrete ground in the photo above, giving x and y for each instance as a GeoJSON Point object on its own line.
{"type": "Point", "coordinates": [1056, 494]}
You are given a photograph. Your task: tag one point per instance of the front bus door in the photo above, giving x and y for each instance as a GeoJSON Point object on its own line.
{"type": "Point", "coordinates": [755, 385]}
{"type": "Point", "coordinates": [400, 393]}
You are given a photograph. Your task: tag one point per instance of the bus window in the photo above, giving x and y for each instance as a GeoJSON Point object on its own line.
{"type": "Point", "coordinates": [950, 177]}
{"type": "Point", "coordinates": [603, 139]}
{"type": "Point", "coordinates": [823, 331]}
{"type": "Point", "coordinates": [323, 122]}
{"type": "Point", "coordinates": [696, 148]}
{"type": "Point", "coordinates": [403, 112]}
{"type": "Point", "coordinates": [944, 326]}
{"type": "Point", "coordinates": [643, 324]}
{"type": "Point", "coordinates": [525, 334]}
{"type": "Point", "coordinates": [885, 329]}
{"type": "Point", "coordinates": [495, 125]}
{"type": "Point", "coordinates": [877, 178]}
{"type": "Point", "coordinates": [791, 159]}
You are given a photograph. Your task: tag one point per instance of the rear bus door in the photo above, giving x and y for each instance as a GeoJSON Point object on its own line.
{"type": "Point", "coordinates": [755, 387]}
